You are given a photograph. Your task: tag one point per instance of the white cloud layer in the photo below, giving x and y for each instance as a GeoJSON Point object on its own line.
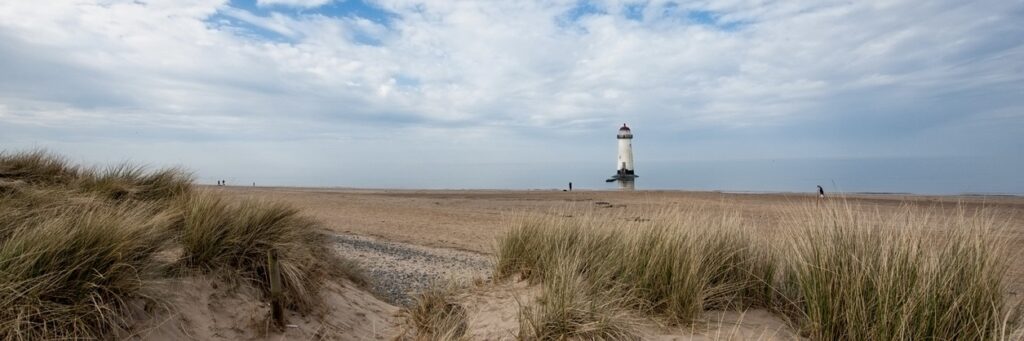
{"type": "Point", "coordinates": [705, 78]}
{"type": "Point", "coordinates": [296, 3]}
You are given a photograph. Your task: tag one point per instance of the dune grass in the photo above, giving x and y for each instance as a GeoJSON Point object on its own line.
{"type": "Point", "coordinates": [914, 275]}
{"type": "Point", "coordinates": [37, 167]}
{"type": "Point", "coordinates": [40, 168]}
{"type": "Point", "coordinates": [217, 235]}
{"type": "Point", "coordinates": [570, 307]}
{"type": "Point", "coordinates": [435, 315]}
{"type": "Point", "coordinates": [70, 273]}
{"type": "Point", "coordinates": [835, 271]}
{"type": "Point", "coordinates": [677, 264]}
{"type": "Point", "coordinates": [79, 246]}
{"type": "Point", "coordinates": [128, 182]}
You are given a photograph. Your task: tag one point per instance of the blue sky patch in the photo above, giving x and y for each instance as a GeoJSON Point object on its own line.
{"type": "Point", "coordinates": [634, 11]}
{"type": "Point", "coordinates": [712, 19]}
{"type": "Point", "coordinates": [334, 9]}
{"type": "Point", "coordinates": [234, 18]}
{"type": "Point", "coordinates": [405, 81]}
{"type": "Point", "coordinates": [582, 9]}
{"type": "Point", "coordinates": [696, 16]}
{"type": "Point", "coordinates": [243, 28]}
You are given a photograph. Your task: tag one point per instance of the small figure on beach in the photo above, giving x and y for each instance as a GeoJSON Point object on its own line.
{"type": "Point", "coordinates": [570, 186]}
{"type": "Point", "coordinates": [821, 192]}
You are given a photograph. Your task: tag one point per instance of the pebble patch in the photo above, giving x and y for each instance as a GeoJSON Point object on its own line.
{"type": "Point", "coordinates": [397, 271]}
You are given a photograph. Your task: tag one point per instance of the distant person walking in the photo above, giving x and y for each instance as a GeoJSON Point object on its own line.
{"type": "Point", "coordinates": [570, 186]}
{"type": "Point", "coordinates": [821, 192]}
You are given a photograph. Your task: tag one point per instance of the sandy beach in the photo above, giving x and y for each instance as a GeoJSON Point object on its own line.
{"type": "Point", "coordinates": [409, 240]}
{"type": "Point", "coordinates": [471, 220]}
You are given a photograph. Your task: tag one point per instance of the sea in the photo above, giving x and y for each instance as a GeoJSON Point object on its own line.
{"type": "Point", "coordinates": [929, 176]}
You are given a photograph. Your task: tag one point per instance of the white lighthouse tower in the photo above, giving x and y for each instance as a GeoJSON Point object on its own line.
{"type": "Point", "coordinates": [624, 164]}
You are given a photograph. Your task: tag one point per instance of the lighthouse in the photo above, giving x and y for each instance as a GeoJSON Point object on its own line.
{"type": "Point", "coordinates": [624, 164]}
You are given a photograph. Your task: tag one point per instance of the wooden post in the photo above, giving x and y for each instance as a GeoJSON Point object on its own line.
{"type": "Point", "coordinates": [276, 293]}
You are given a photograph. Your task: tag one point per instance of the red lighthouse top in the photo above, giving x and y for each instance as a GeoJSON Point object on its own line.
{"type": "Point", "coordinates": [624, 132]}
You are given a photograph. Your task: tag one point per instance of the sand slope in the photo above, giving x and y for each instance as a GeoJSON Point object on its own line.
{"type": "Point", "coordinates": [493, 311]}
{"type": "Point", "coordinates": [205, 309]}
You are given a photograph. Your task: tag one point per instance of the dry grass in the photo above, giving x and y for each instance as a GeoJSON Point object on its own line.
{"type": "Point", "coordinates": [37, 167]}
{"type": "Point", "coordinates": [570, 307]}
{"type": "Point", "coordinates": [675, 264]}
{"type": "Point", "coordinates": [78, 246]}
{"type": "Point", "coordinates": [127, 182]}
{"type": "Point", "coordinates": [71, 269]}
{"type": "Point", "coordinates": [435, 315]}
{"type": "Point", "coordinates": [122, 182]}
{"type": "Point", "coordinates": [915, 275]}
{"type": "Point", "coordinates": [836, 272]}
{"type": "Point", "coordinates": [216, 235]}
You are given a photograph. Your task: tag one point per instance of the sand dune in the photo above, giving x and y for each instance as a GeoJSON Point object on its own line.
{"type": "Point", "coordinates": [207, 309]}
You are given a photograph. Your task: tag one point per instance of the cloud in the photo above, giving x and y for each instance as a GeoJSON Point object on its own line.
{"type": "Point", "coordinates": [295, 3]}
{"type": "Point", "coordinates": [858, 75]}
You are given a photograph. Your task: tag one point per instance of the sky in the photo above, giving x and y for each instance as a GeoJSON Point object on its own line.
{"type": "Point", "coordinates": [282, 87]}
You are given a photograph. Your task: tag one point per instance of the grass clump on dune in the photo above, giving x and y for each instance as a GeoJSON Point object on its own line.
{"type": "Point", "coordinates": [71, 271]}
{"type": "Point", "coordinates": [677, 264]}
{"type": "Point", "coordinates": [571, 308]}
{"type": "Point", "coordinates": [835, 271]}
{"type": "Point", "coordinates": [239, 236]}
{"type": "Point", "coordinates": [435, 315]}
{"type": "Point", "coordinates": [40, 168]}
{"type": "Point", "coordinates": [37, 167]}
{"type": "Point", "coordinates": [78, 246]}
{"type": "Point", "coordinates": [127, 182]}
{"type": "Point", "coordinates": [856, 274]}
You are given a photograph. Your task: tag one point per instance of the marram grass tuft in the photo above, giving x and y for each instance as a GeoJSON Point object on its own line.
{"type": "Point", "coordinates": [238, 236]}
{"type": "Point", "coordinates": [72, 272]}
{"type": "Point", "coordinates": [80, 246]}
{"type": "Point", "coordinates": [834, 271]}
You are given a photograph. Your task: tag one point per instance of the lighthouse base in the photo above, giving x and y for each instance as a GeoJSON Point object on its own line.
{"type": "Point", "coordinates": [623, 174]}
